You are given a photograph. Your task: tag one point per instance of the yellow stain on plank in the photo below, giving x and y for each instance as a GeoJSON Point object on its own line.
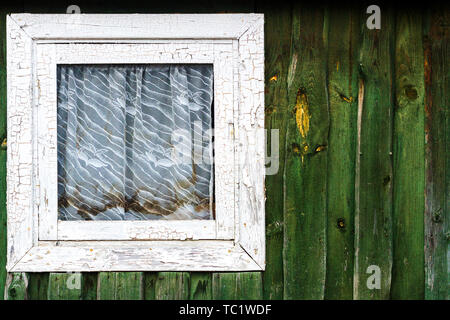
{"type": "Point", "coordinates": [320, 148]}
{"type": "Point", "coordinates": [302, 115]}
{"type": "Point", "coordinates": [349, 100]}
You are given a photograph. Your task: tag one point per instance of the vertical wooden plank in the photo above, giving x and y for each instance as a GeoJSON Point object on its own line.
{"type": "Point", "coordinates": [89, 282]}
{"type": "Point", "coordinates": [119, 286]}
{"type": "Point", "coordinates": [149, 285]}
{"type": "Point", "coordinates": [200, 286]}
{"type": "Point", "coordinates": [64, 286]}
{"type": "Point", "coordinates": [409, 185]}
{"type": "Point", "coordinates": [278, 26]}
{"type": "Point", "coordinates": [237, 286]}
{"type": "Point", "coordinates": [251, 286]}
{"type": "Point", "coordinates": [373, 180]}
{"type": "Point", "coordinates": [343, 91]}
{"type": "Point", "coordinates": [437, 84]}
{"type": "Point", "coordinates": [305, 172]}
{"type": "Point", "coordinates": [16, 286]}
{"type": "Point", "coordinates": [225, 286]}
{"type": "Point", "coordinates": [38, 286]}
{"type": "Point", "coordinates": [172, 286]}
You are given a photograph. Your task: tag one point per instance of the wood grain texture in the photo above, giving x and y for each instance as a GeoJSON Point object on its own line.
{"type": "Point", "coordinates": [249, 144]}
{"type": "Point", "coordinates": [38, 286]}
{"type": "Point", "coordinates": [149, 285]}
{"type": "Point", "coordinates": [16, 286]}
{"type": "Point", "coordinates": [225, 286]}
{"type": "Point", "coordinates": [64, 286]}
{"type": "Point", "coordinates": [305, 170]}
{"type": "Point", "coordinates": [119, 286]}
{"type": "Point", "coordinates": [91, 256]}
{"type": "Point", "coordinates": [373, 175]}
{"type": "Point", "coordinates": [21, 231]}
{"type": "Point", "coordinates": [172, 286]}
{"type": "Point", "coordinates": [200, 286]}
{"type": "Point", "coordinates": [89, 283]}
{"type": "Point", "coordinates": [408, 166]}
{"type": "Point", "coordinates": [437, 84]}
{"type": "Point", "coordinates": [278, 45]}
{"type": "Point", "coordinates": [343, 91]}
{"type": "Point", "coordinates": [144, 26]}
{"type": "Point", "coordinates": [237, 286]}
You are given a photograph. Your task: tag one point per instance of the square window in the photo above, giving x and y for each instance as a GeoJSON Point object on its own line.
{"type": "Point", "coordinates": [135, 142]}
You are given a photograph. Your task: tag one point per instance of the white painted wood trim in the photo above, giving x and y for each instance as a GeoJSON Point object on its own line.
{"type": "Point", "coordinates": [20, 194]}
{"type": "Point", "coordinates": [138, 230]}
{"type": "Point", "coordinates": [135, 26]}
{"type": "Point", "coordinates": [25, 32]}
{"type": "Point", "coordinates": [250, 142]}
{"type": "Point", "coordinates": [137, 256]}
{"type": "Point", "coordinates": [48, 55]}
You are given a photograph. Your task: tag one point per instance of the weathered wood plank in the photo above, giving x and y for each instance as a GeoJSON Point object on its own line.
{"type": "Point", "coordinates": [200, 286]}
{"type": "Point", "coordinates": [16, 286]}
{"type": "Point", "coordinates": [64, 286]}
{"type": "Point", "coordinates": [343, 91]}
{"type": "Point", "coordinates": [172, 286]}
{"type": "Point", "coordinates": [38, 286]}
{"type": "Point", "coordinates": [149, 285]}
{"type": "Point", "coordinates": [437, 84]}
{"type": "Point", "coordinates": [408, 165]}
{"type": "Point", "coordinates": [237, 286]}
{"type": "Point", "coordinates": [119, 286]}
{"type": "Point", "coordinates": [305, 170]}
{"type": "Point", "coordinates": [251, 286]}
{"type": "Point", "coordinates": [89, 282]}
{"type": "Point", "coordinates": [277, 49]}
{"type": "Point", "coordinates": [225, 286]}
{"type": "Point", "coordinates": [373, 177]}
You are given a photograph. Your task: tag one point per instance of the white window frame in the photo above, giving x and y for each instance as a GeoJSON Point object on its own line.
{"type": "Point", "coordinates": [37, 241]}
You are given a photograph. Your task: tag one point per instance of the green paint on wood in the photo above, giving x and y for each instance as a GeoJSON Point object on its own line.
{"type": "Point", "coordinates": [149, 285]}
{"type": "Point", "coordinates": [237, 286]}
{"type": "Point", "coordinates": [17, 284]}
{"type": "Point", "coordinates": [408, 215]}
{"type": "Point", "coordinates": [305, 171]}
{"type": "Point", "coordinates": [172, 286]}
{"type": "Point", "coordinates": [200, 286]}
{"type": "Point", "coordinates": [64, 286]}
{"type": "Point", "coordinates": [38, 286]}
{"type": "Point", "coordinates": [250, 285]}
{"type": "Point", "coordinates": [119, 286]}
{"type": "Point", "coordinates": [373, 181]}
{"type": "Point", "coordinates": [278, 26]}
{"type": "Point", "coordinates": [437, 85]}
{"type": "Point", "coordinates": [89, 282]}
{"type": "Point", "coordinates": [225, 286]}
{"type": "Point", "coordinates": [343, 92]}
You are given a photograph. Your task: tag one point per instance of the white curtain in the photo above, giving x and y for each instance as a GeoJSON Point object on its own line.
{"type": "Point", "coordinates": [134, 142]}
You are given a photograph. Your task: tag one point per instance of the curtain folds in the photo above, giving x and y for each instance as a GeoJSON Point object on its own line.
{"type": "Point", "coordinates": [134, 142]}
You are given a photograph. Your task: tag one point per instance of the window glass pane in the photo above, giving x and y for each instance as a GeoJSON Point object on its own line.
{"type": "Point", "coordinates": [135, 142]}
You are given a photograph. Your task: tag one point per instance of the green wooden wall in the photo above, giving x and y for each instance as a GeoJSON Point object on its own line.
{"type": "Point", "coordinates": [363, 176]}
